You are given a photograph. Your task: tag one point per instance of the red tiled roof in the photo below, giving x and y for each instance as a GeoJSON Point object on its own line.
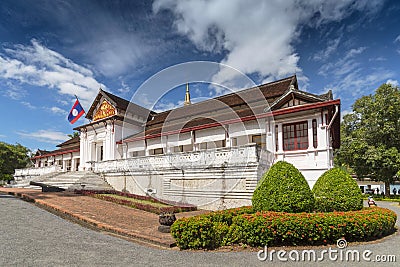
{"type": "Point", "coordinates": [70, 142]}
{"type": "Point", "coordinates": [270, 91]}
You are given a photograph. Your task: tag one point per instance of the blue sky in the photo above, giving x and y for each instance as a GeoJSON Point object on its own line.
{"type": "Point", "coordinates": [52, 50]}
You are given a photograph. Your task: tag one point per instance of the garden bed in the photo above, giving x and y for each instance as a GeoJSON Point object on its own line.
{"type": "Point", "coordinates": [243, 226]}
{"type": "Point", "coordinates": [145, 203]}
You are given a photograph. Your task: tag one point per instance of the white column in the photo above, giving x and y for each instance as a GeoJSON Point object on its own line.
{"type": "Point", "coordinates": [82, 151]}
{"type": "Point", "coordinates": [146, 151]}
{"type": "Point", "coordinates": [270, 135]}
{"type": "Point", "coordinates": [280, 138]}
{"type": "Point", "coordinates": [321, 133]}
{"type": "Point", "coordinates": [310, 134]}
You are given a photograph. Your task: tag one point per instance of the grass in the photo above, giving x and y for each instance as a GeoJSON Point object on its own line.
{"type": "Point", "coordinates": [140, 202]}
{"type": "Point", "coordinates": [133, 200]}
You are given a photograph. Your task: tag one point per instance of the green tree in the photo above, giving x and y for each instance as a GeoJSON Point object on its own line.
{"type": "Point", "coordinates": [74, 134]}
{"type": "Point", "coordinates": [371, 136]}
{"type": "Point", "coordinates": [12, 157]}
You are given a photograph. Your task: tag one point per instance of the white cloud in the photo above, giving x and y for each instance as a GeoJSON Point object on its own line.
{"type": "Point", "coordinates": [28, 105]}
{"type": "Point", "coordinates": [343, 65]}
{"type": "Point", "coordinates": [257, 36]}
{"type": "Point", "coordinates": [63, 102]}
{"type": "Point", "coordinates": [40, 66]}
{"type": "Point", "coordinates": [377, 59]}
{"type": "Point", "coordinates": [13, 91]}
{"type": "Point", "coordinates": [48, 136]}
{"type": "Point", "coordinates": [117, 53]}
{"type": "Point", "coordinates": [356, 82]}
{"type": "Point", "coordinates": [124, 88]}
{"type": "Point", "coordinates": [393, 82]}
{"type": "Point", "coordinates": [329, 50]}
{"type": "Point", "coordinates": [166, 105]}
{"type": "Point", "coordinates": [163, 106]}
{"type": "Point", "coordinates": [397, 39]}
{"type": "Point", "coordinates": [57, 110]}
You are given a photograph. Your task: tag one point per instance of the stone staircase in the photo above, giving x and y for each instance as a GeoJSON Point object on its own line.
{"type": "Point", "coordinates": [70, 181]}
{"type": "Point", "coordinates": [25, 183]}
{"type": "Point", "coordinates": [91, 181]}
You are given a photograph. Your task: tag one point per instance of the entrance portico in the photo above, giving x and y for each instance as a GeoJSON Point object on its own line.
{"type": "Point", "coordinates": [99, 137]}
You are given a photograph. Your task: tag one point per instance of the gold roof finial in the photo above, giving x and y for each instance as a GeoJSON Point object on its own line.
{"type": "Point", "coordinates": [187, 96]}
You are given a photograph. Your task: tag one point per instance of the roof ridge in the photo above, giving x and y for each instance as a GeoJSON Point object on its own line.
{"type": "Point", "coordinates": [233, 93]}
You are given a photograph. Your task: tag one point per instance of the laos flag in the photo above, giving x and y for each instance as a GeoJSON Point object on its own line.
{"type": "Point", "coordinates": [76, 112]}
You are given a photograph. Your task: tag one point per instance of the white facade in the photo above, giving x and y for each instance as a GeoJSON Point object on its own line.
{"type": "Point", "coordinates": [206, 154]}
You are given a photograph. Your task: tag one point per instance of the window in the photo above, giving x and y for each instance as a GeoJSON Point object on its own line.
{"type": "Point", "coordinates": [134, 154]}
{"type": "Point", "coordinates": [234, 141]}
{"type": "Point", "coordinates": [314, 130]}
{"type": "Point", "coordinates": [223, 143]}
{"type": "Point", "coordinates": [203, 145]}
{"type": "Point", "coordinates": [295, 136]}
{"type": "Point", "coordinates": [276, 138]}
{"type": "Point", "coordinates": [158, 151]}
{"type": "Point", "coordinates": [178, 149]}
{"type": "Point", "coordinates": [256, 139]}
{"type": "Point", "coordinates": [259, 139]}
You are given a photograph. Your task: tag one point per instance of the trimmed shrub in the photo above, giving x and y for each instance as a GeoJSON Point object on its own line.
{"type": "Point", "coordinates": [283, 188]}
{"type": "Point", "coordinates": [198, 232]}
{"type": "Point", "coordinates": [335, 190]}
{"type": "Point", "coordinates": [272, 228]}
{"type": "Point", "coordinates": [280, 228]}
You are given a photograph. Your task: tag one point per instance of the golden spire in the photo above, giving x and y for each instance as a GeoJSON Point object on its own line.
{"type": "Point", "coordinates": [187, 96]}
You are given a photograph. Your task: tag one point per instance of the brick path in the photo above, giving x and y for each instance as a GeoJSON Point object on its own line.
{"type": "Point", "coordinates": [136, 224]}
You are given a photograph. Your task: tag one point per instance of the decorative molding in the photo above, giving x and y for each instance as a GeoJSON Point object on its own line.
{"type": "Point", "coordinates": [104, 111]}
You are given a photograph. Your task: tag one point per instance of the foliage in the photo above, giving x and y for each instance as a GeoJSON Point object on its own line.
{"type": "Point", "coordinates": [283, 188]}
{"type": "Point", "coordinates": [197, 232]}
{"type": "Point", "coordinates": [145, 203]}
{"type": "Point", "coordinates": [73, 135]}
{"type": "Point", "coordinates": [12, 157]}
{"type": "Point", "coordinates": [335, 190]}
{"type": "Point", "coordinates": [370, 134]}
{"type": "Point", "coordinates": [280, 228]}
{"type": "Point", "coordinates": [207, 231]}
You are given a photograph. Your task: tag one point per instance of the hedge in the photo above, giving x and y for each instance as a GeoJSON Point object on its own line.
{"type": "Point", "coordinates": [280, 228]}
{"type": "Point", "coordinates": [335, 190]}
{"type": "Point", "coordinates": [283, 188]}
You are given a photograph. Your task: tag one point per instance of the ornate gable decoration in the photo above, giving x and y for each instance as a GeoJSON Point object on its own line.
{"type": "Point", "coordinates": [105, 110]}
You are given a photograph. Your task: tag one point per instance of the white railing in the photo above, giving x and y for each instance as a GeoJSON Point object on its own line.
{"type": "Point", "coordinates": [219, 157]}
{"type": "Point", "coordinates": [36, 171]}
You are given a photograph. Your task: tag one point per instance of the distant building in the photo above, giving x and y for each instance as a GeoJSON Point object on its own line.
{"type": "Point", "coordinates": [210, 153]}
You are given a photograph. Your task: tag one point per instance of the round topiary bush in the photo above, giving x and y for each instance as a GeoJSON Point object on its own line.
{"type": "Point", "coordinates": [283, 188]}
{"type": "Point", "coordinates": [335, 190]}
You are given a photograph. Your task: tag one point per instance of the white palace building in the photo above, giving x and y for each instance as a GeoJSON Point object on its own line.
{"type": "Point", "coordinates": [210, 154]}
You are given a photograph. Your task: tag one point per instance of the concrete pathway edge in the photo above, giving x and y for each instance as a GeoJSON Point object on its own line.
{"type": "Point", "coordinates": [91, 223]}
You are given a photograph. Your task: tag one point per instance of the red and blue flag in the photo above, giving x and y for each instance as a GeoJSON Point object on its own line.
{"type": "Point", "coordinates": [76, 112]}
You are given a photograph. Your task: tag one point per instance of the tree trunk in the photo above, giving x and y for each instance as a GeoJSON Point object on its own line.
{"type": "Point", "coordinates": [387, 188]}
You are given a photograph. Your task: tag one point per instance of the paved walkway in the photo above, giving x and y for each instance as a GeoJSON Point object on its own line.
{"type": "Point", "coordinates": [132, 223]}
{"type": "Point", "coordinates": [34, 238]}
